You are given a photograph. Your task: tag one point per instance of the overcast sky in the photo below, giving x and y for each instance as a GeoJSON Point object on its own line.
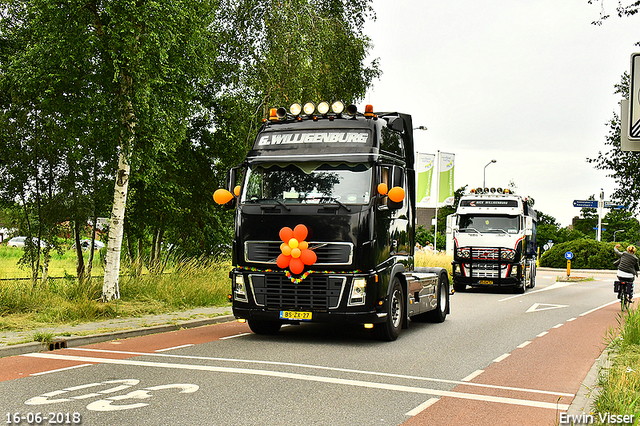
{"type": "Point", "coordinates": [527, 83]}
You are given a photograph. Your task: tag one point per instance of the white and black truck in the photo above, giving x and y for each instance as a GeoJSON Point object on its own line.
{"type": "Point", "coordinates": [493, 238]}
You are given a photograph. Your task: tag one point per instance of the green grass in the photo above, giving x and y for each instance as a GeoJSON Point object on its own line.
{"type": "Point", "coordinates": [67, 301]}
{"type": "Point", "coordinates": [620, 383]}
{"type": "Point", "coordinates": [431, 259]}
{"type": "Point", "coordinates": [60, 265]}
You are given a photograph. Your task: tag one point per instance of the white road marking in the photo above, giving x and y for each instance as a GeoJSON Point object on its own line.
{"type": "Point", "coordinates": [175, 347]}
{"type": "Point", "coordinates": [522, 345]}
{"type": "Point", "coordinates": [572, 319]}
{"type": "Point", "coordinates": [558, 325]}
{"type": "Point", "coordinates": [59, 369]}
{"type": "Point", "coordinates": [599, 307]}
{"type": "Point", "coordinates": [543, 333]}
{"type": "Point", "coordinates": [554, 286]}
{"type": "Point", "coordinates": [420, 408]}
{"type": "Point", "coordinates": [501, 357]}
{"type": "Point", "coordinates": [537, 307]}
{"type": "Point", "coordinates": [472, 376]}
{"type": "Point", "coordinates": [234, 336]}
{"type": "Point", "coordinates": [305, 377]}
{"type": "Point", "coordinates": [320, 367]}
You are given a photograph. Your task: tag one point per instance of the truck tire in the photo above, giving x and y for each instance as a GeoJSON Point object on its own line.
{"type": "Point", "coordinates": [532, 275]}
{"type": "Point", "coordinates": [390, 329]}
{"type": "Point", "coordinates": [264, 327]}
{"type": "Point", "coordinates": [442, 294]}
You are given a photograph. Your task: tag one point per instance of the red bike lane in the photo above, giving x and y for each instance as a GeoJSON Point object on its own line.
{"type": "Point", "coordinates": [555, 362]}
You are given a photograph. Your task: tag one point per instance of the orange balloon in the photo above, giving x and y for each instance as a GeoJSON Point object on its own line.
{"type": "Point", "coordinates": [396, 194]}
{"type": "Point", "coordinates": [295, 253]}
{"type": "Point", "coordinates": [286, 234]}
{"type": "Point", "coordinates": [308, 257]}
{"type": "Point", "coordinates": [300, 232]}
{"type": "Point", "coordinates": [303, 245]}
{"type": "Point", "coordinates": [285, 249]}
{"type": "Point", "coordinates": [383, 189]}
{"type": "Point", "coordinates": [222, 196]}
{"type": "Point", "coordinates": [237, 190]}
{"type": "Point", "coordinates": [296, 266]}
{"type": "Point", "coordinates": [283, 261]}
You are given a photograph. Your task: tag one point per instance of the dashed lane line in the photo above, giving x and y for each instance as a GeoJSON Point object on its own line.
{"type": "Point", "coordinates": [501, 357]}
{"type": "Point", "coordinates": [472, 375]}
{"type": "Point", "coordinates": [305, 377]}
{"type": "Point", "coordinates": [420, 408]}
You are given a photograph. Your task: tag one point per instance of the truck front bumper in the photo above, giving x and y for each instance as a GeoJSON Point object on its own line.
{"type": "Point", "coordinates": [369, 317]}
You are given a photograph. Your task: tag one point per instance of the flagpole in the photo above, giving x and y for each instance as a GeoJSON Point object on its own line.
{"type": "Point", "coordinates": [435, 233]}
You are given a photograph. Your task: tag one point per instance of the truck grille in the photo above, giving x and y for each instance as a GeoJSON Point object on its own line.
{"type": "Point", "coordinates": [329, 254]}
{"type": "Point", "coordinates": [276, 291]}
{"type": "Point", "coordinates": [485, 270]}
{"type": "Point", "coordinates": [482, 253]}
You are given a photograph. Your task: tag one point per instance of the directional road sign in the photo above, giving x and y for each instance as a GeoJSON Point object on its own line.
{"type": "Point", "coordinates": [590, 204]}
{"type": "Point", "coordinates": [608, 205]}
{"type": "Point", "coordinates": [568, 255]}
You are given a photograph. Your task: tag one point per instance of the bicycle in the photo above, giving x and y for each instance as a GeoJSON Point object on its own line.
{"type": "Point", "coordinates": [624, 288]}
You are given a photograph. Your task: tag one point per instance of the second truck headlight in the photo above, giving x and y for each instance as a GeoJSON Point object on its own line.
{"type": "Point", "coordinates": [358, 292]}
{"type": "Point", "coordinates": [240, 289]}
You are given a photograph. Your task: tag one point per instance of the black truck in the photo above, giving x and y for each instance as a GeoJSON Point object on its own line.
{"type": "Point", "coordinates": [324, 223]}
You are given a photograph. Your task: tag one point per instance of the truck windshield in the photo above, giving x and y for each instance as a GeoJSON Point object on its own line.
{"type": "Point", "coordinates": [305, 183]}
{"type": "Point", "coordinates": [489, 223]}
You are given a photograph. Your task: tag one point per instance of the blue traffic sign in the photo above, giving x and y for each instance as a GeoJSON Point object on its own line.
{"type": "Point", "coordinates": [596, 228]}
{"type": "Point", "coordinates": [589, 204]}
{"type": "Point", "coordinates": [568, 255]}
{"type": "Point", "coordinates": [608, 205]}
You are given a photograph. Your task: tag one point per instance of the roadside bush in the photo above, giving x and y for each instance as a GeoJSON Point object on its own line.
{"type": "Point", "coordinates": [587, 254]}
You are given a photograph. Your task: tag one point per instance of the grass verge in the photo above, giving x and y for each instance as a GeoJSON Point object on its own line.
{"type": "Point", "coordinates": [67, 301]}
{"type": "Point", "coordinates": [432, 259]}
{"type": "Point", "coordinates": [620, 383]}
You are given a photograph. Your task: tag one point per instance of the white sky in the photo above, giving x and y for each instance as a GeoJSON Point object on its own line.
{"type": "Point", "coordinates": [527, 83]}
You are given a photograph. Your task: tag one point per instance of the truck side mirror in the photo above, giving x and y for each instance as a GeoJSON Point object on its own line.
{"type": "Point", "coordinates": [395, 123]}
{"type": "Point", "coordinates": [397, 192]}
{"type": "Point", "coordinates": [528, 226]}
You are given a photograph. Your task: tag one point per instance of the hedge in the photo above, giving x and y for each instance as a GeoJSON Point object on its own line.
{"type": "Point", "coordinates": [587, 254]}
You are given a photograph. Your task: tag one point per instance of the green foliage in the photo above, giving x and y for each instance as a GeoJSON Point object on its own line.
{"type": "Point", "coordinates": [588, 254]}
{"type": "Point", "coordinates": [193, 284]}
{"type": "Point", "coordinates": [620, 383]}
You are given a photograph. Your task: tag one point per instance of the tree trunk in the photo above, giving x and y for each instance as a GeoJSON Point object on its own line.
{"type": "Point", "coordinates": [110, 286]}
{"type": "Point", "coordinates": [79, 255]}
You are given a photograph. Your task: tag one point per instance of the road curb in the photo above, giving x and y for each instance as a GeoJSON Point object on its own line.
{"type": "Point", "coordinates": [583, 401]}
{"type": "Point", "coordinates": [74, 341]}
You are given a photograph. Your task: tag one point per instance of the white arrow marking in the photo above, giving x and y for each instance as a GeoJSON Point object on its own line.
{"type": "Point", "coordinates": [537, 307]}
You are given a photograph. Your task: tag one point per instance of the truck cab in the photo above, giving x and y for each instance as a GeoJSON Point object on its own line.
{"type": "Point", "coordinates": [325, 222]}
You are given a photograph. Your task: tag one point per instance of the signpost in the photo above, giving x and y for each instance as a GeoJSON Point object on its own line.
{"type": "Point", "coordinates": [568, 255]}
{"type": "Point", "coordinates": [585, 204]}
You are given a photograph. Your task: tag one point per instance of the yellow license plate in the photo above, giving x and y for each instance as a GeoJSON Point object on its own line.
{"type": "Point", "coordinates": [295, 315]}
{"type": "Point", "coordinates": [485, 282]}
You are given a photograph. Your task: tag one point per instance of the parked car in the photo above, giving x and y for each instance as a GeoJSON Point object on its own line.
{"type": "Point", "coordinates": [86, 244]}
{"type": "Point", "coordinates": [20, 242]}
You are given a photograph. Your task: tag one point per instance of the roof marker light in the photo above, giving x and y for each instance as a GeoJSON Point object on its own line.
{"type": "Point", "coordinates": [323, 107]}
{"type": "Point", "coordinates": [368, 110]}
{"type": "Point", "coordinates": [273, 114]}
{"type": "Point", "coordinates": [309, 108]}
{"type": "Point", "coordinates": [295, 109]}
{"type": "Point", "coordinates": [337, 107]}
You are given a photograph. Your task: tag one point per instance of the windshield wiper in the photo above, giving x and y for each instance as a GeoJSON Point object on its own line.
{"type": "Point", "coordinates": [335, 200]}
{"type": "Point", "coordinates": [499, 229]}
{"type": "Point", "coordinates": [270, 199]}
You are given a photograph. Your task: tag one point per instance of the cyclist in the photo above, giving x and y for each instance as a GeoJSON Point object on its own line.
{"type": "Point", "coordinates": [627, 266]}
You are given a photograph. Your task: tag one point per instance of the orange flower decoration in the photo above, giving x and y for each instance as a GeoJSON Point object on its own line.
{"type": "Point", "coordinates": [295, 250]}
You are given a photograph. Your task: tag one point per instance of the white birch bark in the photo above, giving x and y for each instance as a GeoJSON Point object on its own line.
{"type": "Point", "coordinates": [110, 286]}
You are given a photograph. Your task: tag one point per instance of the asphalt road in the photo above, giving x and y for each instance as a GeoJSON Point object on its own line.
{"type": "Point", "coordinates": [497, 357]}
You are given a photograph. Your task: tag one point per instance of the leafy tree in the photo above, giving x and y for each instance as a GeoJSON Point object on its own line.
{"type": "Point", "coordinates": [588, 254]}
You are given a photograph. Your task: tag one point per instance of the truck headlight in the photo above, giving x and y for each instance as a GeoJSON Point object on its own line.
{"type": "Point", "coordinates": [507, 254]}
{"type": "Point", "coordinates": [239, 289]}
{"type": "Point", "coordinates": [358, 292]}
{"type": "Point", "coordinates": [464, 253]}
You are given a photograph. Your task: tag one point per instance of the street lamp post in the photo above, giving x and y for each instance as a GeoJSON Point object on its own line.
{"type": "Point", "coordinates": [484, 174]}
{"type": "Point", "coordinates": [420, 128]}
{"type": "Point", "coordinates": [615, 232]}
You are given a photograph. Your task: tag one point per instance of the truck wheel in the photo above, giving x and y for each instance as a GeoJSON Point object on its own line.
{"type": "Point", "coordinates": [264, 327]}
{"type": "Point", "coordinates": [532, 276]}
{"type": "Point", "coordinates": [442, 293]}
{"type": "Point", "coordinates": [390, 329]}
